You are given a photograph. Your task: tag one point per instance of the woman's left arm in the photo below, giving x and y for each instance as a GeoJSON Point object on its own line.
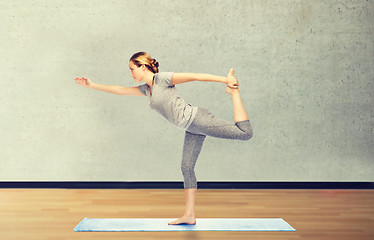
{"type": "Point", "coordinates": [230, 80]}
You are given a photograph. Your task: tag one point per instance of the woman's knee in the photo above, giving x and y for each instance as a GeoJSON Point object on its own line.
{"type": "Point", "coordinates": [246, 127]}
{"type": "Point", "coordinates": [248, 135]}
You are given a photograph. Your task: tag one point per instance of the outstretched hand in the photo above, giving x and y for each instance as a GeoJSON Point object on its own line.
{"type": "Point", "coordinates": [85, 82]}
{"type": "Point", "coordinates": [232, 82]}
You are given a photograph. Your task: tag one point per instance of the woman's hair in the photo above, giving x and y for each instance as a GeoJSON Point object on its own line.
{"type": "Point", "coordinates": [143, 58]}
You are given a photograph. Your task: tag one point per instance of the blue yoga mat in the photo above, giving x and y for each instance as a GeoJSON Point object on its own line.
{"type": "Point", "coordinates": [161, 224]}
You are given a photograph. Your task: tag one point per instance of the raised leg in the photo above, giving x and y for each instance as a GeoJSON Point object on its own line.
{"type": "Point", "coordinates": [239, 111]}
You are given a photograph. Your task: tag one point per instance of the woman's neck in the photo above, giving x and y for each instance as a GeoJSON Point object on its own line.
{"type": "Point", "coordinates": [148, 78]}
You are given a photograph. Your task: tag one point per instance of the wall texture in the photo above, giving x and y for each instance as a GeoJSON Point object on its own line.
{"type": "Point", "coordinates": [305, 70]}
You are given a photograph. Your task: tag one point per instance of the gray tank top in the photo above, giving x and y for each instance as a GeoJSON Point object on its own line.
{"type": "Point", "coordinates": [166, 101]}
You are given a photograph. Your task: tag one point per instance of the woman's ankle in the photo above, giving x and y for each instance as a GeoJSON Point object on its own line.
{"type": "Point", "coordinates": [189, 214]}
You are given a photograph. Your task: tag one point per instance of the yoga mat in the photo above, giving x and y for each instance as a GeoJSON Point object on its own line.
{"type": "Point", "coordinates": [161, 224]}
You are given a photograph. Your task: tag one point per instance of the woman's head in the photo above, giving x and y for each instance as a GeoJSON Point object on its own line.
{"type": "Point", "coordinates": [143, 58]}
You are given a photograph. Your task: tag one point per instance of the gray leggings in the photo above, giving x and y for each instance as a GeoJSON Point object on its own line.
{"type": "Point", "coordinates": [205, 124]}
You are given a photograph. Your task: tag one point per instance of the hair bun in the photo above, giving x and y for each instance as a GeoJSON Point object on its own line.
{"type": "Point", "coordinates": [143, 58]}
{"type": "Point", "coordinates": [155, 63]}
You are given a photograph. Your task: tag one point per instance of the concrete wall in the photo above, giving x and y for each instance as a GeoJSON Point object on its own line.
{"type": "Point", "coordinates": [305, 70]}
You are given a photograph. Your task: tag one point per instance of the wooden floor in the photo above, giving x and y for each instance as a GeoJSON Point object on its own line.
{"type": "Point", "coordinates": [315, 214]}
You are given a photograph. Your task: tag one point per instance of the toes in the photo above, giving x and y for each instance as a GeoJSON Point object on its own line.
{"type": "Point", "coordinates": [174, 223]}
{"type": "Point", "coordinates": [181, 222]}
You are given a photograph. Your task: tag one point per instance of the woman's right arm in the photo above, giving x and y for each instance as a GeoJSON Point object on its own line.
{"type": "Point", "coordinates": [119, 90]}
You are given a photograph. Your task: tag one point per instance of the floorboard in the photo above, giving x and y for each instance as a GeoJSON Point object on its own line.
{"type": "Point", "coordinates": [315, 214]}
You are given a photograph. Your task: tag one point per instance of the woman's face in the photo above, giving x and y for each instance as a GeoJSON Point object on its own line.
{"type": "Point", "coordinates": [136, 72]}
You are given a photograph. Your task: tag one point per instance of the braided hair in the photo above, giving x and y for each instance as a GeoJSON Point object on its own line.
{"type": "Point", "coordinates": [143, 58]}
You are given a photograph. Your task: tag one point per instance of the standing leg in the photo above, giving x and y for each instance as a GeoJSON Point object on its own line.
{"type": "Point", "coordinates": [206, 124]}
{"type": "Point", "coordinates": [191, 150]}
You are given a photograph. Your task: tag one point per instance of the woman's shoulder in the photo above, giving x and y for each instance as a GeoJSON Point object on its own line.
{"type": "Point", "coordinates": [164, 78]}
{"type": "Point", "coordinates": [144, 88]}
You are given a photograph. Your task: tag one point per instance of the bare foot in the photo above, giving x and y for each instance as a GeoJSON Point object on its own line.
{"type": "Point", "coordinates": [184, 221]}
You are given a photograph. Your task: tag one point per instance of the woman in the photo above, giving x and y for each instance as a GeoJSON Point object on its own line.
{"type": "Point", "coordinates": [196, 121]}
